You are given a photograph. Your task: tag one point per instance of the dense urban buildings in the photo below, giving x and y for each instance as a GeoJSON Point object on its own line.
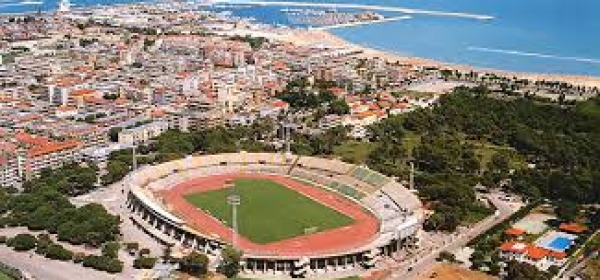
{"type": "Point", "coordinates": [113, 117]}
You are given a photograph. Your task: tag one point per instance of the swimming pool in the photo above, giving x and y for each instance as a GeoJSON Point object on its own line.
{"type": "Point", "coordinates": [560, 243]}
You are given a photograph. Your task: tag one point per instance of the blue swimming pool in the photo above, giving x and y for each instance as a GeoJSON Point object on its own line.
{"type": "Point", "coordinates": [560, 243]}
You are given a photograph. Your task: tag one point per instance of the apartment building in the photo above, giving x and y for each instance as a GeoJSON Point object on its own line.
{"type": "Point", "coordinates": [49, 155]}
{"type": "Point", "coordinates": [9, 167]}
{"type": "Point", "coordinates": [142, 134]}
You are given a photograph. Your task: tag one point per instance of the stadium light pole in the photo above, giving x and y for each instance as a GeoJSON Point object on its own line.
{"type": "Point", "coordinates": [134, 157]}
{"type": "Point", "coordinates": [412, 175]}
{"type": "Point", "coordinates": [234, 200]}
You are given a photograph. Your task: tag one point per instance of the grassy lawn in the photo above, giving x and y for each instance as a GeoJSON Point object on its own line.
{"type": "Point", "coordinates": [5, 277]}
{"type": "Point", "coordinates": [590, 107]}
{"type": "Point", "coordinates": [414, 94]}
{"type": "Point", "coordinates": [269, 212]}
{"type": "Point", "coordinates": [486, 150]}
{"type": "Point", "coordinates": [473, 217]}
{"type": "Point", "coordinates": [354, 151]}
{"type": "Point", "coordinates": [410, 141]}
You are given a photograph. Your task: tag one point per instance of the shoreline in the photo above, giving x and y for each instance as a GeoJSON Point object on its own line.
{"type": "Point", "coordinates": [326, 38]}
{"type": "Point", "coordinates": [306, 37]}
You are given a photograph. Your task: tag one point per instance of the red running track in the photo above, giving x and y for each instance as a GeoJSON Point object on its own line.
{"type": "Point", "coordinates": [364, 228]}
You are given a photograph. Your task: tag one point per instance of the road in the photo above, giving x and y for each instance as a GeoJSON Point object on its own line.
{"type": "Point", "coordinates": [573, 271]}
{"type": "Point", "coordinates": [565, 272]}
{"type": "Point", "coordinates": [39, 267]}
{"type": "Point", "coordinates": [422, 263]}
{"type": "Point", "coordinates": [113, 198]}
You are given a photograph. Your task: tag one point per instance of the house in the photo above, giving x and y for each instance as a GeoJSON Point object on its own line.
{"type": "Point", "coordinates": [531, 254]}
{"type": "Point", "coordinates": [574, 228]}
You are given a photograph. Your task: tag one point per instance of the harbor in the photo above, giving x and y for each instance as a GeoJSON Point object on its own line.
{"type": "Point", "coordinates": [367, 8]}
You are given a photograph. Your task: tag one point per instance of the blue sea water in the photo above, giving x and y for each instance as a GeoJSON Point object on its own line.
{"type": "Point", "coordinates": [27, 6]}
{"type": "Point", "coordinates": [546, 36]}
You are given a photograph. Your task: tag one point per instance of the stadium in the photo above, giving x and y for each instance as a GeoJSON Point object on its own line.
{"type": "Point", "coordinates": [291, 215]}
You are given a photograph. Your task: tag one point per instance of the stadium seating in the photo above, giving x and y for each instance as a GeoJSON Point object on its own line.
{"type": "Point", "coordinates": [396, 208]}
{"type": "Point", "coordinates": [368, 176]}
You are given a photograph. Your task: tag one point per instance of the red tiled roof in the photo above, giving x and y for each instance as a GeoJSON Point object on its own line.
{"type": "Point", "coordinates": [572, 227]}
{"type": "Point", "coordinates": [82, 92]}
{"type": "Point", "coordinates": [557, 255]}
{"type": "Point", "coordinates": [514, 231]}
{"type": "Point", "coordinates": [30, 139]}
{"type": "Point", "coordinates": [157, 113]}
{"type": "Point", "coordinates": [66, 109]}
{"type": "Point", "coordinates": [279, 104]}
{"type": "Point", "coordinates": [52, 148]}
{"type": "Point", "coordinates": [8, 147]}
{"type": "Point", "coordinates": [401, 105]}
{"type": "Point", "coordinates": [515, 247]}
{"type": "Point", "coordinates": [536, 253]}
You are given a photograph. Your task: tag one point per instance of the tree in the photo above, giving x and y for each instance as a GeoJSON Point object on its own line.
{"type": "Point", "coordinates": [230, 262]}
{"type": "Point", "coordinates": [111, 249]}
{"type": "Point", "coordinates": [103, 263]}
{"type": "Point", "coordinates": [446, 256]}
{"type": "Point", "coordinates": [567, 211]}
{"type": "Point", "coordinates": [43, 243]}
{"type": "Point", "coordinates": [113, 133]}
{"type": "Point", "coordinates": [499, 163]}
{"type": "Point", "coordinates": [174, 144]}
{"type": "Point", "coordinates": [132, 246]}
{"type": "Point", "coordinates": [22, 242]}
{"type": "Point", "coordinates": [524, 271]}
{"type": "Point", "coordinates": [144, 263]}
{"type": "Point", "coordinates": [71, 179]}
{"type": "Point", "coordinates": [195, 264]}
{"type": "Point", "coordinates": [144, 252]}
{"type": "Point", "coordinates": [116, 170]}
{"type": "Point", "coordinates": [58, 252]}
{"type": "Point", "coordinates": [339, 107]}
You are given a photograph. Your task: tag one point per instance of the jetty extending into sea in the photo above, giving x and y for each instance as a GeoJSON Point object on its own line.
{"type": "Point", "coordinates": [358, 23]}
{"type": "Point", "coordinates": [362, 7]}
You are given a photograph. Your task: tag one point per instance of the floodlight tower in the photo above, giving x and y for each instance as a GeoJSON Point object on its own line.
{"type": "Point", "coordinates": [286, 127]}
{"type": "Point", "coordinates": [412, 176]}
{"type": "Point", "coordinates": [234, 200]}
{"type": "Point", "coordinates": [134, 157]}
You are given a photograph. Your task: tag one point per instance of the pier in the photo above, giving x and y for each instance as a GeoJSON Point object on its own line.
{"type": "Point", "coordinates": [357, 23]}
{"type": "Point", "coordinates": [363, 7]}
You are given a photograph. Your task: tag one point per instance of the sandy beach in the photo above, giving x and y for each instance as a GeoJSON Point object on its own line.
{"type": "Point", "coordinates": [322, 37]}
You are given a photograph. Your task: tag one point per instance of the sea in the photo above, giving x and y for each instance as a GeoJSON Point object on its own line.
{"type": "Point", "coordinates": [543, 36]}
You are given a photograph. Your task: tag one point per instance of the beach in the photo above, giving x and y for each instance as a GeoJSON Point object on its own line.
{"type": "Point", "coordinates": [325, 38]}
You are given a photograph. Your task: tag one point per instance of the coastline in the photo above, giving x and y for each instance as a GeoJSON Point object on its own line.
{"type": "Point", "coordinates": [326, 38]}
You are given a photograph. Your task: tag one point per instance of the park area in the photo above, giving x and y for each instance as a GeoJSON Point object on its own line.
{"type": "Point", "coordinates": [269, 211]}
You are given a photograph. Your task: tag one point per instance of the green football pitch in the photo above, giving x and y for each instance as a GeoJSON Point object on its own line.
{"type": "Point", "coordinates": [268, 211]}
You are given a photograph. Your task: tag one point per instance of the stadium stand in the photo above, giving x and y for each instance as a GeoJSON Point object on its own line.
{"type": "Point", "coordinates": [368, 176]}
{"type": "Point", "coordinates": [398, 210]}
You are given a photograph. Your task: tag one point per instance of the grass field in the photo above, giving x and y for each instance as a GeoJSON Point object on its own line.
{"type": "Point", "coordinates": [354, 151]}
{"type": "Point", "coordinates": [269, 212]}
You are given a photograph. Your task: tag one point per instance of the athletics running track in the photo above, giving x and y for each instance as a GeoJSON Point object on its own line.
{"type": "Point", "coordinates": [360, 233]}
